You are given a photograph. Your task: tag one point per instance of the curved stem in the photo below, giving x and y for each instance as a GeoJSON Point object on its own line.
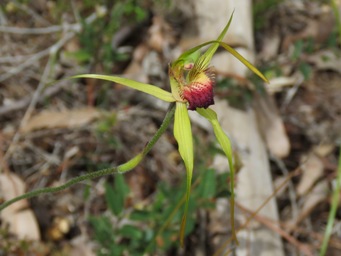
{"type": "Point", "coordinates": [119, 169]}
{"type": "Point", "coordinates": [333, 210]}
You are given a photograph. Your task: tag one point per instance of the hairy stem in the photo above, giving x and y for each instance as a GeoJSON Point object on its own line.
{"type": "Point", "coordinates": [119, 169]}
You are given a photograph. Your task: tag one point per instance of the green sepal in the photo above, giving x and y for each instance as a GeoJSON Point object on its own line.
{"type": "Point", "coordinates": [222, 138]}
{"type": "Point", "coordinates": [237, 55]}
{"type": "Point", "coordinates": [207, 56]}
{"type": "Point", "coordinates": [176, 85]}
{"type": "Point", "coordinates": [183, 135]}
{"type": "Point", "coordinates": [225, 144]}
{"type": "Point", "coordinates": [192, 58]}
{"type": "Point", "coordinates": [146, 88]}
{"type": "Point", "coordinates": [205, 59]}
{"type": "Point", "coordinates": [244, 61]}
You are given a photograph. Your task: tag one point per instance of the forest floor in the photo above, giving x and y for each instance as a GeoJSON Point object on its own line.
{"type": "Point", "coordinates": [52, 132]}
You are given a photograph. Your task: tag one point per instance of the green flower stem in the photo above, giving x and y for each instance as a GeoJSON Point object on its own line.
{"type": "Point", "coordinates": [333, 210]}
{"type": "Point", "coordinates": [169, 218]}
{"type": "Point", "coordinates": [119, 169]}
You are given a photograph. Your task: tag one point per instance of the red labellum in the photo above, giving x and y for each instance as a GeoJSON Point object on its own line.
{"type": "Point", "coordinates": [199, 92]}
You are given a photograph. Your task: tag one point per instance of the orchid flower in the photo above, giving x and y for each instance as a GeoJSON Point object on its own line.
{"type": "Point", "coordinates": [192, 84]}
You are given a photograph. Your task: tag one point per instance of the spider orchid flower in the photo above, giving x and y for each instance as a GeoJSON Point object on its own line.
{"type": "Point", "coordinates": [192, 82]}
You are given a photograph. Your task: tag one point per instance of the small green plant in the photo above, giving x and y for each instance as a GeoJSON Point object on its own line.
{"type": "Point", "coordinates": [192, 82]}
{"type": "Point", "coordinates": [260, 8]}
{"type": "Point", "coordinates": [239, 97]}
{"type": "Point", "coordinates": [142, 222]}
{"type": "Point", "coordinates": [111, 17]}
{"type": "Point", "coordinates": [10, 245]}
{"type": "Point", "coordinates": [104, 130]}
{"type": "Point", "coordinates": [301, 47]}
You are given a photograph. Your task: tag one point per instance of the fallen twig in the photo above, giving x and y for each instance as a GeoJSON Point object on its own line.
{"type": "Point", "coordinates": [23, 103]}
{"type": "Point", "coordinates": [276, 228]}
{"type": "Point", "coordinates": [254, 213]}
{"type": "Point", "coordinates": [292, 192]}
{"type": "Point", "coordinates": [29, 11]}
{"type": "Point", "coordinates": [51, 51]}
{"type": "Point", "coordinates": [32, 31]}
{"type": "Point", "coordinates": [47, 30]}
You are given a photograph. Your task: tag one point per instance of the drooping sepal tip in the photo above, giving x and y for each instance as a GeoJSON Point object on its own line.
{"type": "Point", "coordinates": [183, 136]}
{"type": "Point", "coordinates": [225, 144]}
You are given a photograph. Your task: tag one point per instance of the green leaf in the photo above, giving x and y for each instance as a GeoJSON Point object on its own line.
{"type": "Point", "coordinates": [305, 69]}
{"type": "Point", "coordinates": [141, 215]}
{"type": "Point", "coordinates": [81, 55]}
{"type": "Point", "coordinates": [115, 196]}
{"type": "Point", "coordinates": [190, 222]}
{"type": "Point", "coordinates": [114, 200]}
{"type": "Point", "coordinates": [131, 232]}
{"type": "Point", "coordinates": [103, 232]}
{"type": "Point", "coordinates": [207, 187]}
{"type": "Point", "coordinates": [121, 186]}
{"type": "Point", "coordinates": [225, 144]}
{"type": "Point", "coordinates": [183, 135]}
{"type": "Point", "coordinates": [223, 191]}
{"type": "Point", "coordinates": [146, 88]}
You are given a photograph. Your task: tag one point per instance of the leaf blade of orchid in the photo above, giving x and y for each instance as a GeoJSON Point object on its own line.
{"type": "Point", "coordinates": [225, 144]}
{"type": "Point", "coordinates": [183, 135]}
{"type": "Point", "coordinates": [146, 88]}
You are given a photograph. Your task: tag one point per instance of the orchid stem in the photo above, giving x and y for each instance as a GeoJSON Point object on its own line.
{"type": "Point", "coordinates": [113, 170]}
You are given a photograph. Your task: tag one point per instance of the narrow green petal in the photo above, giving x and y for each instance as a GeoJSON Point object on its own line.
{"type": "Point", "coordinates": [205, 59]}
{"type": "Point", "coordinates": [235, 54]}
{"type": "Point", "coordinates": [147, 88]}
{"type": "Point", "coordinates": [207, 56]}
{"type": "Point", "coordinates": [183, 135]}
{"type": "Point", "coordinates": [225, 144]}
{"type": "Point", "coordinates": [176, 86]}
{"type": "Point", "coordinates": [244, 61]}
